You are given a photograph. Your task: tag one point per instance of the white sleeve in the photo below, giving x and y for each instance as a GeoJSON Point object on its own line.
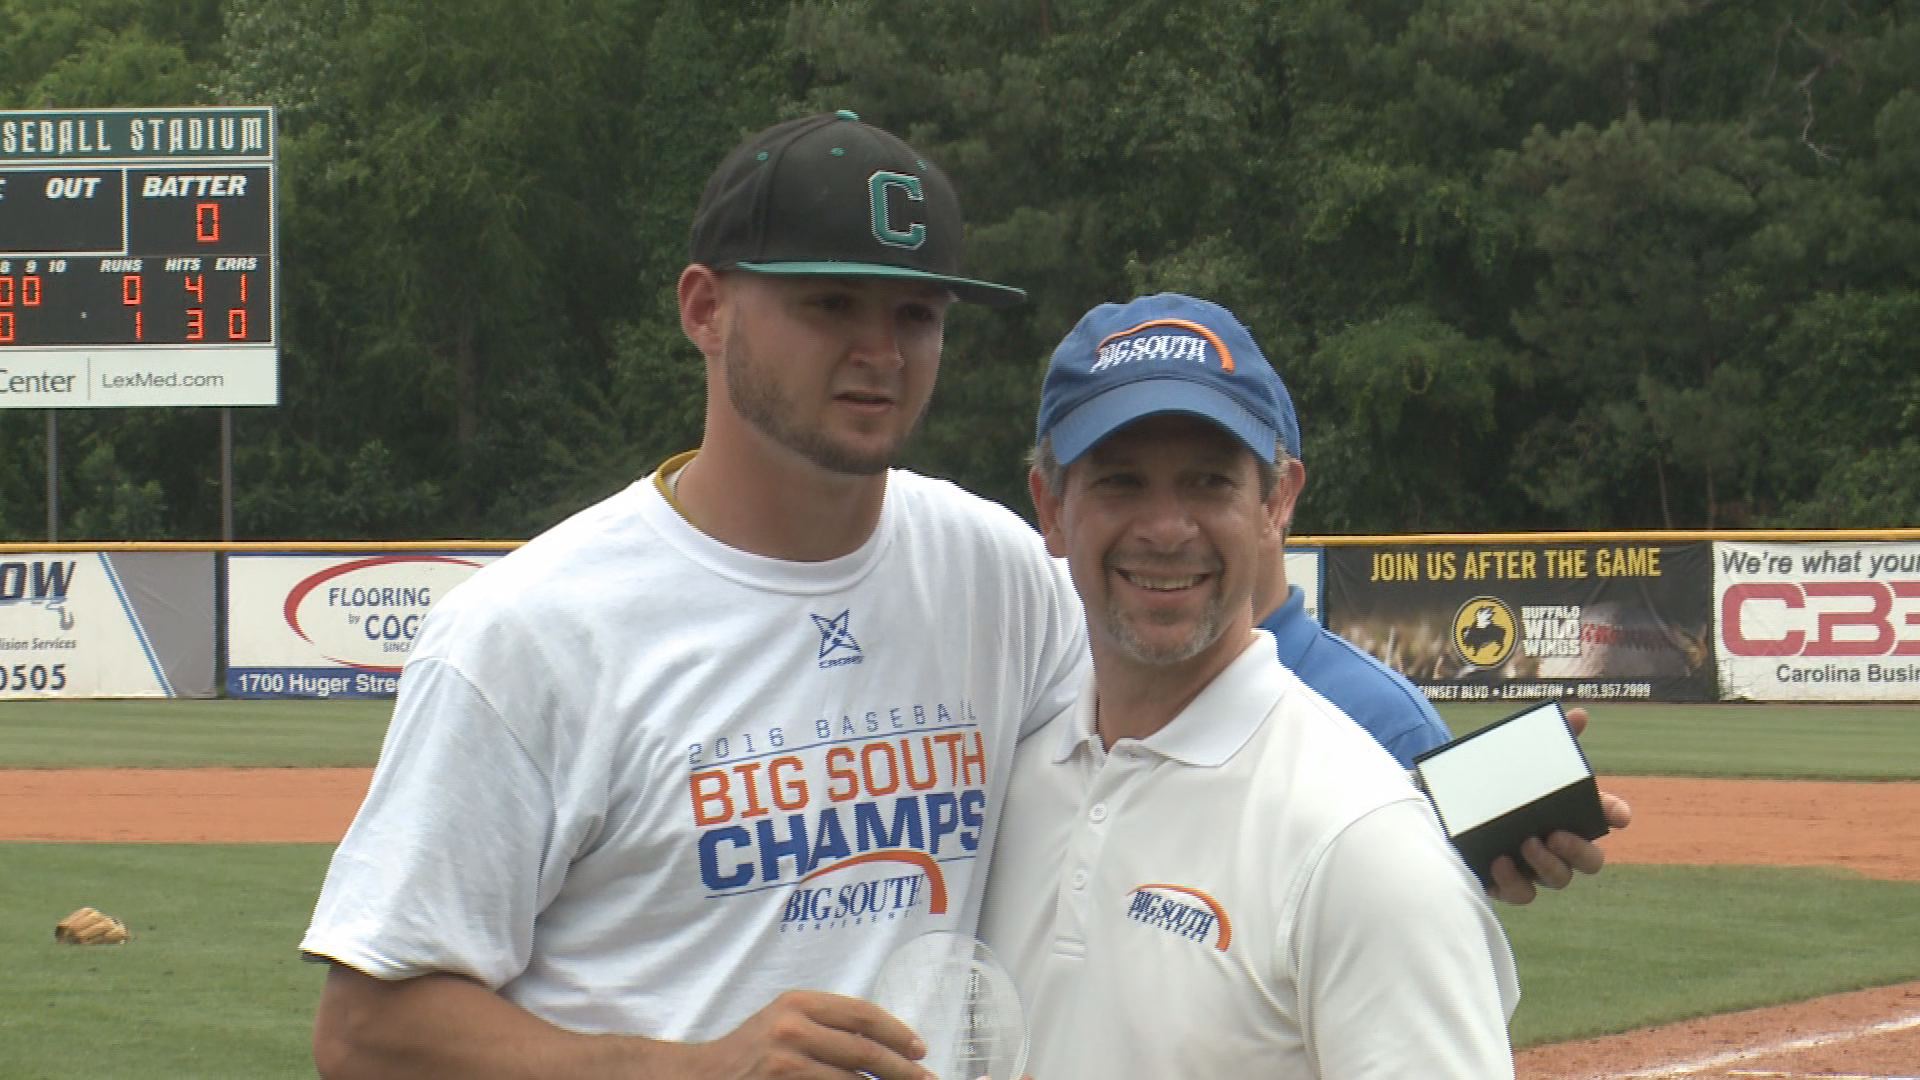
{"type": "Point", "coordinates": [1403, 968]}
{"type": "Point", "coordinates": [442, 869]}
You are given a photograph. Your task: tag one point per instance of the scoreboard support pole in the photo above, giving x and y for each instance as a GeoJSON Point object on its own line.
{"type": "Point", "coordinates": [221, 647]}
{"type": "Point", "coordinates": [53, 476]}
{"type": "Point", "coordinates": [226, 475]}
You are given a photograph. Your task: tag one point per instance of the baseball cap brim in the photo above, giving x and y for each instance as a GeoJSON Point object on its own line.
{"type": "Point", "coordinates": [971, 290]}
{"type": "Point", "coordinates": [1105, 413]}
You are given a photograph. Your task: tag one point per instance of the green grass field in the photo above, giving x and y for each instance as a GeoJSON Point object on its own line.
{"type": "Point", "coordinates": [181, 734]}
{"type": "Point", "coordinates": [1788, 742]}
{"type": "Point", "coordinates": [212, 986]}
{"type": "Point", "coordinates": [1801, 742]}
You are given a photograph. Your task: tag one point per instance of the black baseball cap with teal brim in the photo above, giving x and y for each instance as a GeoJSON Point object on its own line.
{"type": "Point", "coordinates": [831, 195]}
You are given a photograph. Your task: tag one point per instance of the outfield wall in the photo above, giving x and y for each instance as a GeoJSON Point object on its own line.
{"type": "Point", "coordinates": [322, 624]}
{"type": "Point", "coordinates": [1817, 622]}
{"type": "Point", "coordinates": [1748, 616]}
{"type": "Point", "coordinates": [126, 623]}
{"type": "Point", "coordinates": [210, 620]}
{"type": "Point", "coordinates": [1520, 620]}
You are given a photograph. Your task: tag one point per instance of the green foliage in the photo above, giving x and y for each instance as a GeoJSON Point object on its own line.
{"type": "Point", "coordinates": [303, 491]}
{"type": "Point", "coordinates": [645, 401]}
{"type": "Point", "coordinates": [113, 505]}
{"type": "Point", "coordinates": [1603, 264]}
{"type": "Point", "coordinates": [1645, 222]}
{"type": "Point", "coordinates": [23, 511]}
{"type": "Point", "coordinates": [1100, 150]}
{"type": "Point", "coordinates": [1850, 355]}
{"type": "Point", "coordinates": [73, 53]}
{"type": "Point", "coordinates": [446, 178]}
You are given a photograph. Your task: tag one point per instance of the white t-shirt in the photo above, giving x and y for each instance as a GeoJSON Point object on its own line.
{"type": "Point", "coordinates": [1256, 890]}
{"type": "Point", "coordinates": [642, 782]}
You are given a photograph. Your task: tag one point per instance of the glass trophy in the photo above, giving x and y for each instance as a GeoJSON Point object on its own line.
{"type": "Point", "coordinates": [951, 991]}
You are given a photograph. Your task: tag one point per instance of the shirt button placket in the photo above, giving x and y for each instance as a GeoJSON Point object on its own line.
{"type": "Point", "coordinates": [1090, 837]}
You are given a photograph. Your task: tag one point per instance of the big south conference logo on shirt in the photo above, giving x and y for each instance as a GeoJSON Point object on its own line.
{"type": "Point", "coordinates": [857, 824]}
{"type": "Point", "coordinates": [1182, 911]}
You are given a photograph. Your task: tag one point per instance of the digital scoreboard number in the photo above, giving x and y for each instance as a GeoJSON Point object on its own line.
{"type": "Point", "coordinates": [137, 258]}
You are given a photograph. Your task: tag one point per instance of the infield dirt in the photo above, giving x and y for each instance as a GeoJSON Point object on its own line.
{"type": "Point", "coordinates": [1870, 828]}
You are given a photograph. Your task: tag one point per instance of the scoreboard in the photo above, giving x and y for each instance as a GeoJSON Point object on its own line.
{"type": "Point", "coordinates": [137, 258]}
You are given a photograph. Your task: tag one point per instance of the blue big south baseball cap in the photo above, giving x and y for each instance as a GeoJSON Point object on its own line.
{"type": "Point", "coordinates": [1165, 353]}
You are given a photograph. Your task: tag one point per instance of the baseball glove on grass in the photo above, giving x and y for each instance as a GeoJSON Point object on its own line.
{"type": "Point", "coordinates": [90, 927]}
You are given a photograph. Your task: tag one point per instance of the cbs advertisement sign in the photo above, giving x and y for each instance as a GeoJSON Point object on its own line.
{"type": "Point", "coordinates": [316, 626]}
{"type": "Point", "coordinates": [1818, 622]}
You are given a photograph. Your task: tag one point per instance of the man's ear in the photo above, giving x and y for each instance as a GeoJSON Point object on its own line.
{"type": "Point", "coordinates": [1046, 509]}
{"type": "Point", "coordinates": [700, 304]}
{"type": "Point", "coordinates": [1286, 496]}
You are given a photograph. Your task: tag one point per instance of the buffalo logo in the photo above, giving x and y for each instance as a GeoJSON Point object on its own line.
{"type": "Point", "coordinates": [837, 645]}
{"type": "Point", "coordinates": [1483, 631]}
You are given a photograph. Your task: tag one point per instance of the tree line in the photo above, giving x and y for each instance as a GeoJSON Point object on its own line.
{"type": "Point", "coordinates": [1525, 264]}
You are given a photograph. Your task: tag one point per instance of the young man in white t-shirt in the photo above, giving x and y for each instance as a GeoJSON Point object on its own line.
{"type": "Point", "coordinates": [1212, 871]}
{"type": "Point", "coordinates": [737, 730]}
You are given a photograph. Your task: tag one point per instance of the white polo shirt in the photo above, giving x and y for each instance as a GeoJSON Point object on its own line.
{"type": "Point", "coordinates": [1277, 900]}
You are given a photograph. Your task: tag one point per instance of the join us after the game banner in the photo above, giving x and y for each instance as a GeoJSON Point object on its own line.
{"type": "Point", "coordinates": [1588, 621]}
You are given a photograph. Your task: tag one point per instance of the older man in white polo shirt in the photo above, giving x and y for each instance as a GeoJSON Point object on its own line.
{"type": "Point", "coordinates": [1209, 869]}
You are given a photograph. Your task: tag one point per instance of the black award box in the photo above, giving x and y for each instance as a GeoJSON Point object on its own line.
{"type": "Point", "coordinates": [1521, 776]}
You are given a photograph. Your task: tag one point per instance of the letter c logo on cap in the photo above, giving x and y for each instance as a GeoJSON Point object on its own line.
{"type": "Point", "coordinates": [883, 229]}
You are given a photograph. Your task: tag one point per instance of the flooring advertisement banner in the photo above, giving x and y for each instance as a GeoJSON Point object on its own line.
{"type": "Point", "coordinates": [302, 624]}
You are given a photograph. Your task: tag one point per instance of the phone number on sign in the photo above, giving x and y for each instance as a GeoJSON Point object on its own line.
{"type": "Point", "coordinates": [1613, 690]}
{"type": "Point", "coordinates": [40, 677]}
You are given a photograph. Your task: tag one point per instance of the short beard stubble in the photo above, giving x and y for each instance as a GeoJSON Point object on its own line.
{"type": "Point", "coordinates": [757, 397]}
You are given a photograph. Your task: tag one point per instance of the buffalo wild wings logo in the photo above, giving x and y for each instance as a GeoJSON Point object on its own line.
{"type": "Point", "coordinates": [1483, 631]}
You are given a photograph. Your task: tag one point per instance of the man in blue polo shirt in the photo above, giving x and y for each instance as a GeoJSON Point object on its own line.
{"type": "Point", "coordinates": [1393, 710]}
